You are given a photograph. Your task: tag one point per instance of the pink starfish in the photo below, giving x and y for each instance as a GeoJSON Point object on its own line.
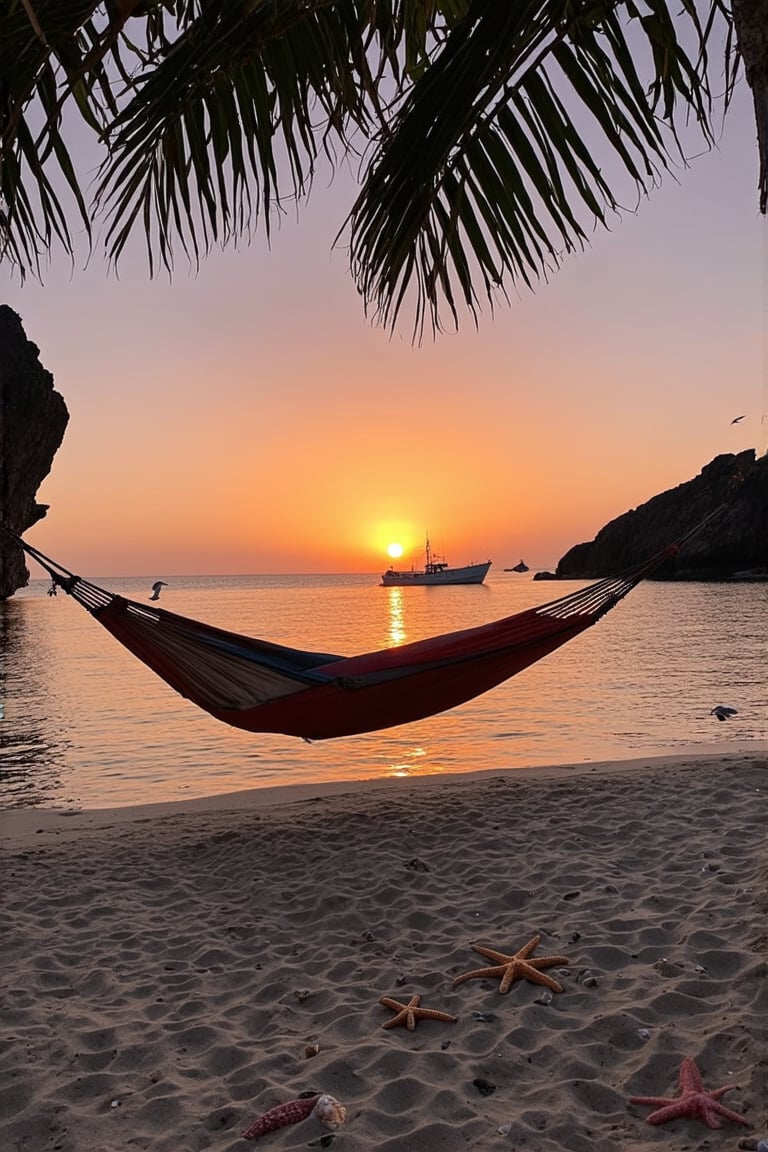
{"type": "Point", "coordinates": [694, 1100]}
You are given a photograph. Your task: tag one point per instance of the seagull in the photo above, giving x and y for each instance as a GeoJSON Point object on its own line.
{"type": "Point", "coordinates": [736, 419]}
{"type": "Point", "coordinates": [723, 712]}
{"type": "Point", "coordinates": [156, 589]}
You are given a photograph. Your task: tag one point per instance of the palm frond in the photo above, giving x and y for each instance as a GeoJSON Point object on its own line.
{"type": "Point", "coordinates": [490, 147]}
{"type": "Point", "coordinates": [224, 126]}
{"type": "Point", "coordinates": [494, 136]}
{"type": "Point", "coordinates": [54, 54]}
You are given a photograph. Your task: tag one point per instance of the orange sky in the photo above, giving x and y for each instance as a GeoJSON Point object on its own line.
{"type": "Point", "coordinates": [250, 419]}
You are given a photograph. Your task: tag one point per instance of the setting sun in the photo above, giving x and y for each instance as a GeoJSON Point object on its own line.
{"type": "Point", "coordinates": [395, 551]}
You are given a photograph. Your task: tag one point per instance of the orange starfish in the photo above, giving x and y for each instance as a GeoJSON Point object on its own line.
{"type": "Point", "coordinates": [516, 967]}
{"type": "Point", "coordinates": [409, 1013]}
{"type": "Point", "coordinates": [694, 1100]}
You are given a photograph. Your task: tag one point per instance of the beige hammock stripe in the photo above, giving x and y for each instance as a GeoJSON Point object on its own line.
{"type": "Point", "coordinates": [216, 680]}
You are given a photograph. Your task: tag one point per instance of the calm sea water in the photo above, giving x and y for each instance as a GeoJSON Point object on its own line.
{"type": "Point", "coordinates": [84, 723]}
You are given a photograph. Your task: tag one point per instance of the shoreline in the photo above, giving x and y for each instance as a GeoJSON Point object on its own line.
{"type": "Point", "coordinates": [171, 972]}
{"type": "Point", "coordinates": [18, 826]}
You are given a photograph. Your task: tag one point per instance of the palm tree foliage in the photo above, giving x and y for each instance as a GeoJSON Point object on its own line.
{"type": "Point", "coordinates": [475, 126]}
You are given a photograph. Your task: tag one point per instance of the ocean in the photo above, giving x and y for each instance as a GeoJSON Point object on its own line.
{"type": "Point", "coordinates": [85, 724]}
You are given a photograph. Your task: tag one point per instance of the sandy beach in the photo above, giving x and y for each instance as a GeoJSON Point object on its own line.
{"type": "Point", "coordinates": [171, 973]}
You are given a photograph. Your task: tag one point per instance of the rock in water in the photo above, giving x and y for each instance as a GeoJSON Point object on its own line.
{"type": "Point", "coordinates": [33, 418]}
{"type": "Point", "coordinates": [732, 546]}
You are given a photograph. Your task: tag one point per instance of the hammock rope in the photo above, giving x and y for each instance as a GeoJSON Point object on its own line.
{"type": "Point", "coordinates": [264, 687]}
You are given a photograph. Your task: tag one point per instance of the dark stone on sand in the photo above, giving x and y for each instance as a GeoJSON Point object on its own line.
{"type": "Point", "coordinates": [484, 1087]}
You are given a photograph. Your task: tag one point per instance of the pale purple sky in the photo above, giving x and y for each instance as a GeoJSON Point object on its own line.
{"type": "Point", "coordinates": [250, 419]}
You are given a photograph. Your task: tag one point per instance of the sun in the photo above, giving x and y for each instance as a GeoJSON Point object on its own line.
{"type": "Point", "coordinates": [395, 551]}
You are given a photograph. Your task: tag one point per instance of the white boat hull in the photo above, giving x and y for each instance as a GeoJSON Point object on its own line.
{"type": "Point", "coordinates": [471, 574]}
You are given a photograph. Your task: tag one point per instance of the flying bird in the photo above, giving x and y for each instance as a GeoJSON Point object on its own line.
{"type": "Point", "coordinates": [723, 712]}
{"type": "Point", "coordinates": [158, 584]}
{"type": "Point", "coordinates": [736, 419]}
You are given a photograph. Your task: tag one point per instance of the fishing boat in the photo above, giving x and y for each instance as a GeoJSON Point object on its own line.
{"type": "Point", "coordinates": [435, 571]}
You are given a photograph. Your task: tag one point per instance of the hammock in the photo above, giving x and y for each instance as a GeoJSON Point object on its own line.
{"type": "Point", "coordinates": [265, 687]}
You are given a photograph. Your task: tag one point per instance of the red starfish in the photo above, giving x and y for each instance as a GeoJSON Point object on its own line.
{"type": "Point", "coordinates": [694, 1100]}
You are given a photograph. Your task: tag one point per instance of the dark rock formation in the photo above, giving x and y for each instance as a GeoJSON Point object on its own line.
{"type": "Point", "coordinates": [732, 545]}
{"type": "Point", "coordinates": [33, 418]}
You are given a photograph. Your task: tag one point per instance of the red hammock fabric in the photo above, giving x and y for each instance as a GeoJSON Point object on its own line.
{"type": "Point", "coordinates": [264, 687]}
{"type": "Point", "coordinates": [376, 690]}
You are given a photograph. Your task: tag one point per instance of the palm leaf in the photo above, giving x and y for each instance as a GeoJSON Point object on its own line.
{"type": "Point", "coordinates": [227, 122]}
{"type": "Point", "coordinates": [53, 54]}
{"type": "Point", "coordinates": [496, 135]}
{"type": "Point", "coordinates": [501, 85]}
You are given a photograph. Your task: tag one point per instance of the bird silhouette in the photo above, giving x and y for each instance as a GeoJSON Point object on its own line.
{"type": "Point", "coordinates": [736, 419]}
{"type": "Point", "coordinates": [158, 584]}
{"type": "Point", "coordinates": [722, 711]}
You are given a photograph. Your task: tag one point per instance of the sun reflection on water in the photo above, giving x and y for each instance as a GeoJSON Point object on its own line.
{"type": "Point", "coordinates": [407, 766]}
{"type": "Point", "coordinates": [396, 610]}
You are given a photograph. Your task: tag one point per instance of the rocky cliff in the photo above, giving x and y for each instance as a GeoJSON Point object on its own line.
{"type": "Point", "coordinates": [734, 543]}
{"type": "Point", "coordinates": [33, 418]}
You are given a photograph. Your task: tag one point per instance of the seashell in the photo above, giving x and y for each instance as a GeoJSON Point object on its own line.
{"type": "Point", "coordinates": [311, 1050]}
{"type": "Point", "coordinates": [326, 1109]}
{"type": "Point", "coordinates": [330, 1112]}
{"type": "Point", "coordinates": [280, 1116]}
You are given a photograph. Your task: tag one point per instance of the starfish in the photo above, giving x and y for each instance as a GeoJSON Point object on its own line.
{"type": "Point", "coordinates": [694, 1100]}
{"type": "Point", "coordinates": [409, 1013]}
{"type": "Point", "coordinates": [516, 967]}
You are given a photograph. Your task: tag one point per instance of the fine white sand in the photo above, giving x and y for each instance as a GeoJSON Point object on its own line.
{"type": "Point", "coordinates": [165, 970]}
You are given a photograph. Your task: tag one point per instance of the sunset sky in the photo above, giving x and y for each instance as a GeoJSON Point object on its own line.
{"type": "Point", "coordinates": [249, 418]}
